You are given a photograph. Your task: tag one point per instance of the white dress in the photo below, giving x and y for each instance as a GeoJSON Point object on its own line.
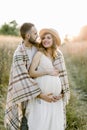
{"type": "Point", "coordinates": [44, 115]}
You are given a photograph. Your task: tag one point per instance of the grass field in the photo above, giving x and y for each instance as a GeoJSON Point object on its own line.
{"type": "Point", "coordinates": [76, 62]}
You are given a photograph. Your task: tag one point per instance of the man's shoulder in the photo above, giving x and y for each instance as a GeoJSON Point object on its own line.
{"type": "Point", "coordinates": [18, 50]}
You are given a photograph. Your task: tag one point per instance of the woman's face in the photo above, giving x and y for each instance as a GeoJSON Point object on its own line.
{"type": "Point", "coordinates": [47, 40]}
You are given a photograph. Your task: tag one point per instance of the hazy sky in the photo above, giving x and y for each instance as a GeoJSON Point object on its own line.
{"type": "Point", "coordinates": [66, 16]}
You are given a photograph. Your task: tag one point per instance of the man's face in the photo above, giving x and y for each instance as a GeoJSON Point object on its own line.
{"type": "Point", "coordinates": [33, 35]}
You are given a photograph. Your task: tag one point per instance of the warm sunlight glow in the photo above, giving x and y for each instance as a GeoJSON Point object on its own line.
{"type": "Point", "coordinates": [66, 16]}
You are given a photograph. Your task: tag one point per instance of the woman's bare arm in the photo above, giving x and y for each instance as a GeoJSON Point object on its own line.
{"type": "Point", "coordinates": [34, 72]}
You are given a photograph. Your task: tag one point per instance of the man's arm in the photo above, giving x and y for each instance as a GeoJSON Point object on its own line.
{"type": "Point", "coordinates": [24, 87]}
{"type": "Point", "coordinates": [59, 64]}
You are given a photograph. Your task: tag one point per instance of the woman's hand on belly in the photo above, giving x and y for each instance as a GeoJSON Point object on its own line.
{"type": "Point", "coordinates": [58, 97]}
{"type": "Point", "coordinates": [48, 97]}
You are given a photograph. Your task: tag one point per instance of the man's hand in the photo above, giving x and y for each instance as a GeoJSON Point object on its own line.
{"type": "Point", "coordinates": [53, 72]}
{"type": "Point", "coordinates": [58, 97]}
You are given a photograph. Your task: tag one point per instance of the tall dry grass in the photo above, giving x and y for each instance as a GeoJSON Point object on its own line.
{"type": "Point", "coordinates": [9, 41]}
{"type": "Point", "coordinates": [7, 47]}
{"type": "Point", "coordinates": [76, 62]}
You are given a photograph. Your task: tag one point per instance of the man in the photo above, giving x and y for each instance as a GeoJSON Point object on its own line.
{"type": "Point", "coordinates": [22, 87]}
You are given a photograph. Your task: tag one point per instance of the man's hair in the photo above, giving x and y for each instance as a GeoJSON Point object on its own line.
{"type": "Point", "coordinates": [25, 28]}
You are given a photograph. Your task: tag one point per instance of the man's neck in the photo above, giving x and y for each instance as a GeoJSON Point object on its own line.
{"type": "Point", "coordinates": [28, 44]}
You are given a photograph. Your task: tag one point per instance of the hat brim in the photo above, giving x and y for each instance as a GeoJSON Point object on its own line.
{"type": "Point", "coordinates": [51, 31]}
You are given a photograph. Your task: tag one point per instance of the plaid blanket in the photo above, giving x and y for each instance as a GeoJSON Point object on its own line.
{"type": "Point", "coordinates": [23, 88]}
{"type": "Point", "coordinates": [59, 64]}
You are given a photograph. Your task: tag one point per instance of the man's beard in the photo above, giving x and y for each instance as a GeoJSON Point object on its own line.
{"type": "Point", "coordinates": [32, 41]}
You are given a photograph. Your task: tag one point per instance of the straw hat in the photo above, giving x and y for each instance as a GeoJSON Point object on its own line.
{"type": "Point", "coordinates": [51, 31]}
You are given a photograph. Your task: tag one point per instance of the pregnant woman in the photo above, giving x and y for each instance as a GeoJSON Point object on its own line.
{"type": "Point", "coordinates": [47, 115]}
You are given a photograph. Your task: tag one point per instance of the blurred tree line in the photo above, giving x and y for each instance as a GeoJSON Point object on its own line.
{"type": "Point", "coordinates": [10, 28]}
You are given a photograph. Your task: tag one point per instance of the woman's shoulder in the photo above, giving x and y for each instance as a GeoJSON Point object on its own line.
{"type": "Point", "coordinates": [39, 53]}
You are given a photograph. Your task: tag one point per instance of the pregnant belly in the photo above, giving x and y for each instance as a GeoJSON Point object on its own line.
{"type": "Point", "coordinates": [49, 84]}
